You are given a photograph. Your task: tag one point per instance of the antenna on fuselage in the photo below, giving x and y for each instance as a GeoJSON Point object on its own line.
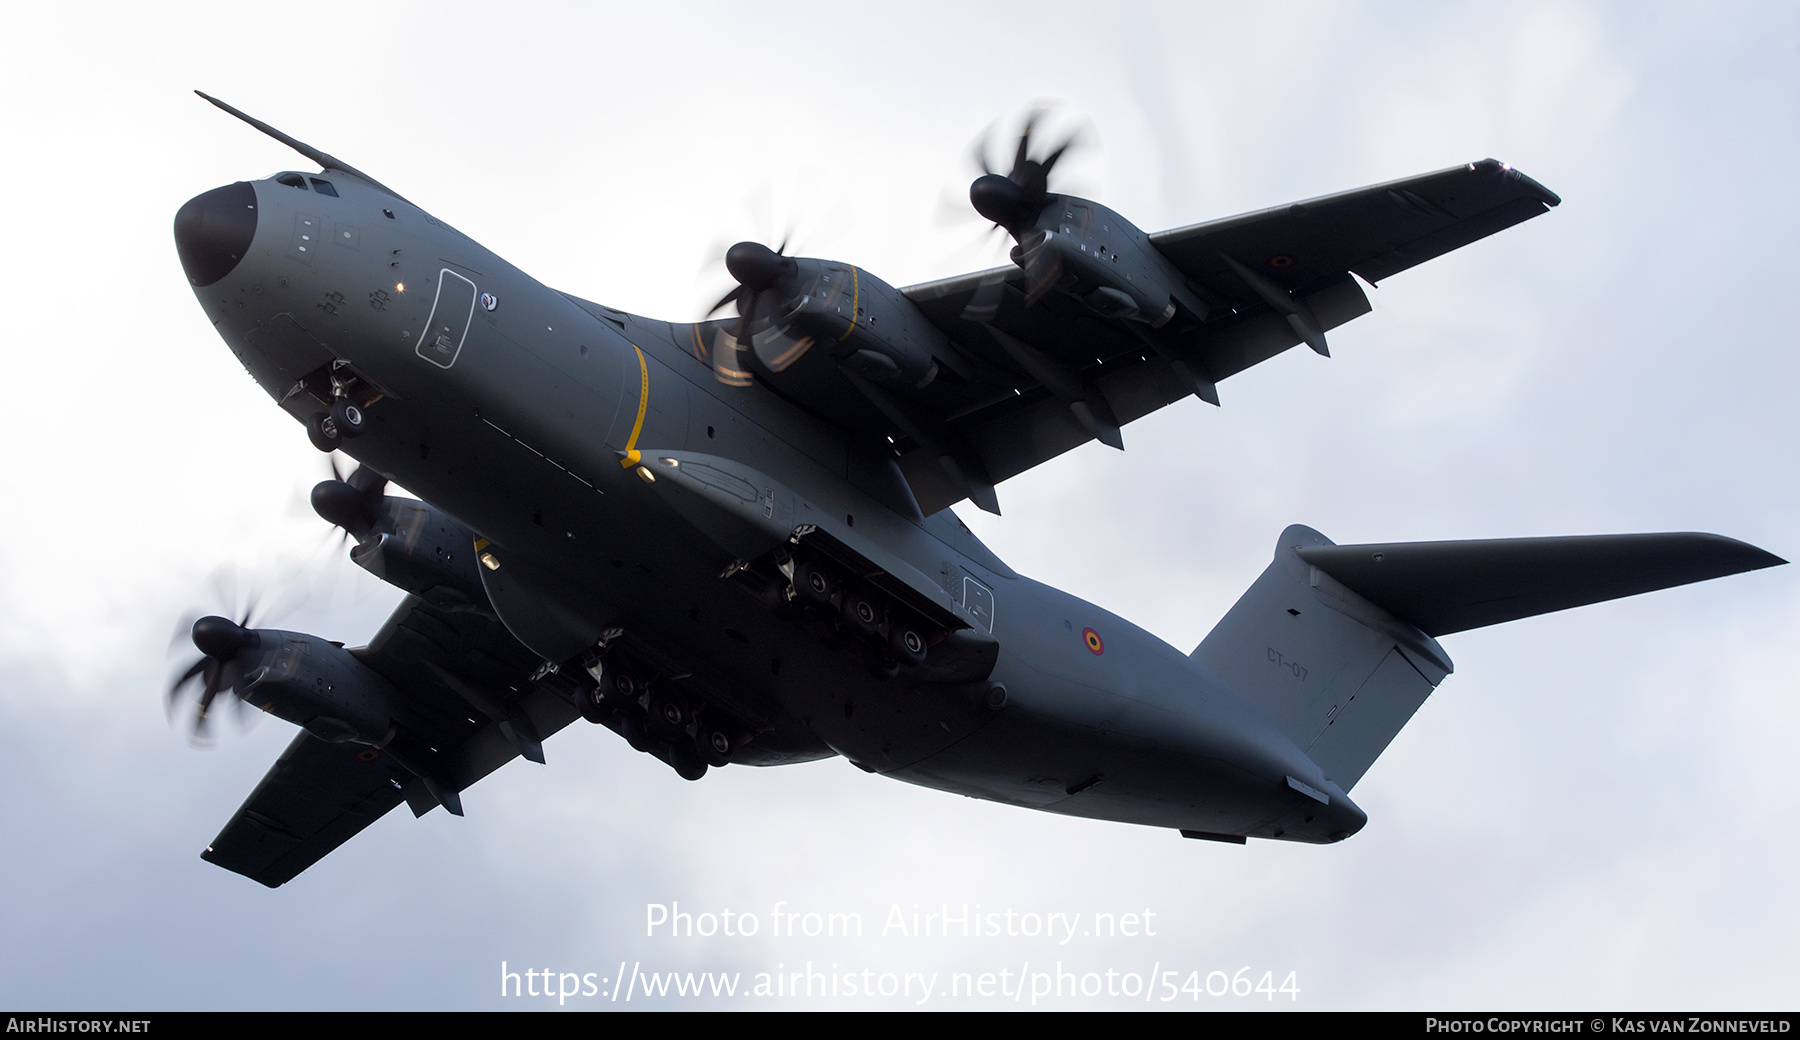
{"type": "Point", "coordinates": [329, 162]}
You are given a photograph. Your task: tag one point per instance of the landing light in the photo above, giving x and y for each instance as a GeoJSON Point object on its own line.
{"type": "Point", "coordinates": [490, 561]}
{"type": "Point", "coordinates": [399, 286]}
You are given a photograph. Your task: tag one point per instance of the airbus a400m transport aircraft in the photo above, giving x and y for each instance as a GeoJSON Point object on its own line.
{"type": "Point", "coordinates": [731, 542]}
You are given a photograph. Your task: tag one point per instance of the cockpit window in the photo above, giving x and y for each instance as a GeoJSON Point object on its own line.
{"type": "Point", "coordinates": [292, 180]}
{"type": "Point", "coordinates": [323, 187]}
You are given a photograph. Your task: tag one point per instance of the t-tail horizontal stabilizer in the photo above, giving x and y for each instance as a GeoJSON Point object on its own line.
{"type": "Point", "coordinates": [1335, 643]}
{"type": "Point", "coordinates": [1445, 587]}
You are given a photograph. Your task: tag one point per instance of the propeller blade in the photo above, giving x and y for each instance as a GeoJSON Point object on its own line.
{"type": "Point", "coordinates": [980, 150]}
{"type": "Point", "coordinates": [736, 293]}
{"type": "Point", "coordinates": [198, 667]}
{"type": "Point", "coordinates": [984, 305]}
{"type": "Point", "coordinates": [778, 347]}
{"type": "Point", "coordinates": [757, 270]}
{"type": "Point", "coordinates": [1048, 164]}
{"type": "Point", "coordinates": [174, 690]}
{"type": "Point", "coordinates": [1023, 154]}
{"type": "Point", "coordinates": [184, 630]}
{"type": "Point", "coordinates": [218, 677]}
{"type": "Point", "coordinates": [221, 643]}
{"type": "Point", "coordinates": [1043, 269]}
{"type": "Point", "coordinates": [1016, 200]}
{"type": "Point", "coordinates": [368, 481]}
{"type": "Point", "coordinates": [728, 365]}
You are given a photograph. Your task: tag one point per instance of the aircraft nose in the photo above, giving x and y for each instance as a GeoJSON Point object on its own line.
{"type": "Point", "coordinates": [213, 231]}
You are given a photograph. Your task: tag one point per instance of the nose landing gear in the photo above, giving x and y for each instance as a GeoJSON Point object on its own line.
{"type": "Point", "coordinates": [323, 432]}
{"type": "Point", "coordinates": [328, 429]}
{"type": "Point", "coordinates": [348, 417]}
{"type": "Point", "coordinates": [346, 397]}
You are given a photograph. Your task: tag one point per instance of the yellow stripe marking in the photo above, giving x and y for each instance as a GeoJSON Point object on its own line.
{"type": "Point", "coordinates": [481, 543]}
{"type": "Point", "coordinates": [631, 453]}
{"type": "Point", "coordinates": [855, 296]}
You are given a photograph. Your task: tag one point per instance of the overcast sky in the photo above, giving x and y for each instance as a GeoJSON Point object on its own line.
{"type": "Point", "coordinates": [1595, 811]}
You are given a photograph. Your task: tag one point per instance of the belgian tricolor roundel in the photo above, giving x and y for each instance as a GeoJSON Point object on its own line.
{"type": "Point", "coordinates": [1092, 639]}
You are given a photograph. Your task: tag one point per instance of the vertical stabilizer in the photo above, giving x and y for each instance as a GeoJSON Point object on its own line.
{"type": "Point", "coordinates": [1336, 673]}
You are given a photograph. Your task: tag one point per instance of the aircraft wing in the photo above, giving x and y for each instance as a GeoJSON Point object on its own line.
{"type": "Point", "coordinates": [1376, 231]}
{"type": "Point", "coordinates": [316, 797]}
{"type": "Point", "coordinates": [1005, 420]}
{"type": "Point", "coordinates": [472, 693]}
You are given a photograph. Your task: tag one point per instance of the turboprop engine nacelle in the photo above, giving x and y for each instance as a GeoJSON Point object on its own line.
{"type": "Point", "coordinates": [421, 550]}
{"type": "Point", "coordinates": [804, 306]}
{"type": "Point", "coordinates": [405, 543]}
{"type": "Point", "coordinates": [322, 688]}
{"type": "Point", "coordinates": [1086, 250]}
{"type": "Point", "coordinates": [866, 325]}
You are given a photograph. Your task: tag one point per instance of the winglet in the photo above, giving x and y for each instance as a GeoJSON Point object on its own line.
{"type": "Point", "coordinates": [325, 160]}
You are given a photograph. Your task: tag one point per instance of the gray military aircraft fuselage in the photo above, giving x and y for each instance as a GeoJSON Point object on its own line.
{"type": "Point", "coordinates": [726, 540]}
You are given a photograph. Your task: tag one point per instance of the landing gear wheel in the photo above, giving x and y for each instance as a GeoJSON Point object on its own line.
{"type": "Point", "coordinates": [685, 758]}
{"type": "Point", "coordinates": [907, 643]}
{"type": "Point", "coordinates": [713, 743]}
{"type": "Point", "coordinates": [862, 612]}
{"type": "Point", "coordinates": [814, 584]}
{"type": "Point", "coordinates": [618, 689]}
{"type": "Point", "coordinates": [349, 419]}
{"type": "Point", "coordinates": [323, 433]}
{"type": "Point", "coordinates": [668, 715]}
{"type": "Point", "coordinates": [775, 598]}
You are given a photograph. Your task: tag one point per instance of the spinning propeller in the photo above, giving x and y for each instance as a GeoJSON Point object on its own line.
{"type": "Point", "coordinates": [354, 503]}
{"type": "Point", "coordinates": [351, 502]}
{"type": "Point", "coordinates": [766, 280]}
{"type": "Point", "coordinates": [1014, 201]}
{"type": "Point", "coordinates": [223, 645]}
{"type": "Point", "coordinates": [770, 282]}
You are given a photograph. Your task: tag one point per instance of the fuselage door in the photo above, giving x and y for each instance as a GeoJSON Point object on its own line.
{"type": "Point", "coordinates": [451, 313]}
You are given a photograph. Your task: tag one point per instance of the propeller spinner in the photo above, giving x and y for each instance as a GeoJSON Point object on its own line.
{"type": "Point", "coordinates": [351, 502]}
